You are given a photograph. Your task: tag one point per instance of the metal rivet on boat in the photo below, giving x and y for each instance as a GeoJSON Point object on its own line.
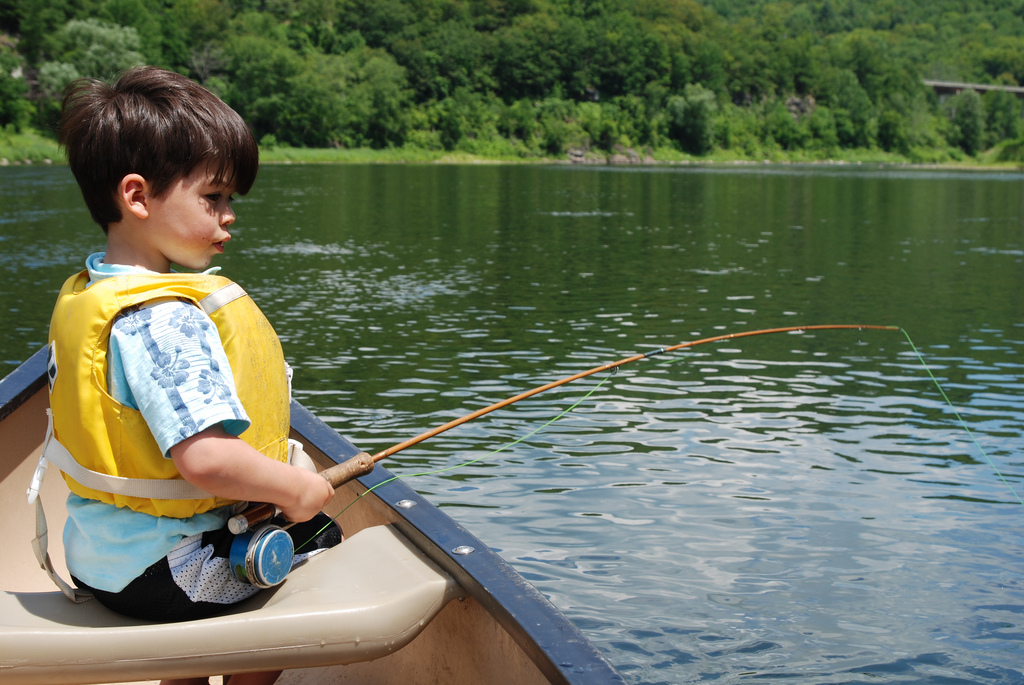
{"type": "Point", "coordinates": [463, 549]}
{"type": "Point", "coordinates": [405, 504]}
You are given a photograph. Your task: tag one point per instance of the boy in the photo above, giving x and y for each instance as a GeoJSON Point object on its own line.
{"type": "Point", "coordinates": [145, 384]}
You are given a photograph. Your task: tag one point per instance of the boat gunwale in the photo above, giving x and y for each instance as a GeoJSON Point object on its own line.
{"type": "Point", "coordinates": [555, 645]}
{"type": "Point", "coordinates": [22, 383]}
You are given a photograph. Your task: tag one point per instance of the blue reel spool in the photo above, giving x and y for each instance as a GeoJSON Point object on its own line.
{"type": "Point", "coordinates": [262, 557]}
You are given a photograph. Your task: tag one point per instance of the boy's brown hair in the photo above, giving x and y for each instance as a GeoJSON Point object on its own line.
{"type": "Point", "coordinates": [154, 123]}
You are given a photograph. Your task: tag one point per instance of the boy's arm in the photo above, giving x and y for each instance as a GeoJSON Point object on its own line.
{"type": "Point", "coordinates": [228, 467]}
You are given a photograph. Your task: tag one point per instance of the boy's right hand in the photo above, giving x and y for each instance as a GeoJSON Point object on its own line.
{"type": "Point", "coordinates": [311, 495]}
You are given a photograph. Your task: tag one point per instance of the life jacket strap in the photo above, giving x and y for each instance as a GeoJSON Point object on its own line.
{"type": "Point", "coordinates": [41, 540]}
{"type": "Point", "coordinates": [148, 488]}
{"type": "Point", "coordinates": [222, 296]}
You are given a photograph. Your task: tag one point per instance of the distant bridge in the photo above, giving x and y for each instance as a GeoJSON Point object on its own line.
{"type": "Point", "coordinates": [945, 89]}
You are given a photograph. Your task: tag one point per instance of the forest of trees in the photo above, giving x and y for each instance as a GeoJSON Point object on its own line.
{"type": "Point", "coordinates": [550, 77]}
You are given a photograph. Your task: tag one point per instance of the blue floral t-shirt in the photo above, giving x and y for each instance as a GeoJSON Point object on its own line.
{"type": "Point", "coordinates": [166, 360]}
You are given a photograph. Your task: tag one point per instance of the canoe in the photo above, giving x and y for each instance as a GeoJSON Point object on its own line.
{"type": "Point", "coordinates": [409, 597]}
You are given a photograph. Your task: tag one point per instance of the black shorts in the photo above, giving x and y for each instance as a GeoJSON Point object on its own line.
{"type": "Point", "coordinates": [156, 596]}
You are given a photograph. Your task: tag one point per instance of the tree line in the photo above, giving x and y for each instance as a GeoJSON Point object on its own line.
{"type": "Point", "coordinates": [550, 77]}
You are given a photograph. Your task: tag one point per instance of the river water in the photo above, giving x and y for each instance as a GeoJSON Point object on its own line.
{"type": "Point", "coordinates": [802, 506]}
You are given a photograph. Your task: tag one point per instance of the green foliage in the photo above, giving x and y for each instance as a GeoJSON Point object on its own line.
{"type": "Point", "coordinates": [463, 117]}
{"type": "Point", "coordinates": [821, 124]}
{"type": "Point", "coordinates": [690, 119]}
{"type": "Point", "coordinates": [852, 107]}
{"type": "Point", "coordinates": [1004, 59]}
{"type": "Point", "coordinates": [1011, 151]}
{"type": "Point", "coordinates": [261, 70]}
{"type": "Point", "coordinates": [86, 47]}
{"type": "Point", "coordinates": [19, 147]}
{"type": "Point", "coordinates": [38, 24]}
{"type": "Point", "coordinates": [785, 128]}
{"type": "Point", "coordinates": [315, 109]}
{"type": "Point", "coordinates": [537, 55]}
{"type": "Point", "coordinates": [968, 116]}
{"type": "Point", "coordinates": [1003, 120]}
{"type": "Point", "coordinates": [743, 78]}
{"type": "Point", "coordinates": [892, 135]}
{"type": "Point", "coordinates": [15, 109]}
{"type": "Point", "coordinates": [741, 129]}
{"type": "Point", "coordinates": [89, 47]}
{"type": "Point", "coordinates": [376, 101]}
{"type": "Point", "coordinates": [559, 129]}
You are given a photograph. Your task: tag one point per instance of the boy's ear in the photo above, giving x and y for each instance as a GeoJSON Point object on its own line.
{"type": "Point", "coordinates": [134, 193]}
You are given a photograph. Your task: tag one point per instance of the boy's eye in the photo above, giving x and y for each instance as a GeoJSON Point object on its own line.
{"type": "Point", "coordinates": [216, 197]}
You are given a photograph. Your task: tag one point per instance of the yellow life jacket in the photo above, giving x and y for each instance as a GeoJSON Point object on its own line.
{"type": "Point", "coordinates": [107, 437]}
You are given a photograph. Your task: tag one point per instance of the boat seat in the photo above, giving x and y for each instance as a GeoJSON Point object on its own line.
{"type": "Point", "coordinates": [361, 600]}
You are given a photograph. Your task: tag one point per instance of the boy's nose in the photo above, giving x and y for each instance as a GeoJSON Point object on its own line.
{"type": "Point", "coordinates": [227, 218]}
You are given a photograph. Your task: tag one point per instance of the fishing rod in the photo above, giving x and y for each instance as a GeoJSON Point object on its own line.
{"type": "Point", "coordinates": [362, 463]}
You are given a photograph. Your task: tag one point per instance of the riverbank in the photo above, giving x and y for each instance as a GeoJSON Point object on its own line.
{"type": "Point", "coordinates": [31, 147]}
{"type": "Point", "coordinates": [28, 147]}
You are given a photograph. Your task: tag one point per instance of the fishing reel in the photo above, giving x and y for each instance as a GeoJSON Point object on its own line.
{"type": "Point", "coordinates": [262, 556]}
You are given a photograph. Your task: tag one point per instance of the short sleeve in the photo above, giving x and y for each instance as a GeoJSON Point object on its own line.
{"type": "Point", "coordinates": [167, 361]}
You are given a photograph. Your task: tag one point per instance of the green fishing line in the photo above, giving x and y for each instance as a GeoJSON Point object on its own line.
{"type": "Point", "coordinates": [614, 371]}
{"type": "Point", "coordinates": [963, 423]}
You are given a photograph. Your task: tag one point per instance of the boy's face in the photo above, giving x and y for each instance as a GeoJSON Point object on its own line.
{"type": "Point", "coordinates": [188, 223]}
